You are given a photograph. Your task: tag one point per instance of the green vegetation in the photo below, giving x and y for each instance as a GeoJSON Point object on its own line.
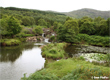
{"type": "Point", "coordinates": [68, 32]}
{"type": "Point", "coordinates": [54, 50]}
{"type": "Point", "coordinates": [38, 30]}
{"type": "Point", "coordinates": [88, 12]}
{"type": "Point", "coordinates": [30, 17]}
{"type": "Point", "coordinates": [10, 42]}
{"type": "Point", "coordinates": [70, 69]}
{"type": "Point", "coordinates": [97, 26]}
{"type": "Point", "coordinates": [92, 40]}
{"type": "Point", "coordinates": [9, 26]}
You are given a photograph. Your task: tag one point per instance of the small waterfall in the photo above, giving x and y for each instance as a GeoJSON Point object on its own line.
{"type": "Point", "coordinates": [43, 35]}
{"type": "Point", "coordinates": [46, 40]}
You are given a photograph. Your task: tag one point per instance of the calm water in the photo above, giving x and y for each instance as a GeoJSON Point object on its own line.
{"type": "Point", "coordinates": [76, 50]}
{"type": "Point", "coordinates": [17, 60]}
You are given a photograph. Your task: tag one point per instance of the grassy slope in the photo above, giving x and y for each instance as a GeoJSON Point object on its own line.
{"type": "Point", "coordinates": [68, 69]}
{"type": "Point", "coordinates": [88, 12]}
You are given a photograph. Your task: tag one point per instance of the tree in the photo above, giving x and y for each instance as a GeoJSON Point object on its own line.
{"type": "Point", "coordinates": [68, 18]}
{"type": "Point", "coordinates": [3, 25]}
{"type": "Point", "coordinates": [42, 22]}
{"type": "Point", "coordinates": [28, 21]}
{"type": "Point", "coordinates": [13, 26]}
{"type": "Point", "coordinates": [104, 28]}
{"type": "Point", "coordinates": [68, 31]}
{"type": "Point", "coordinates": [10, 26]}
{"type": "Point", "coordinates": [84, 19]}
{"type": "Point", "coordinates": [55, 24]}
{"type": "Point", "coordinates": [87, 28]}
{"type": "Point", "coordinates": [38, 30]}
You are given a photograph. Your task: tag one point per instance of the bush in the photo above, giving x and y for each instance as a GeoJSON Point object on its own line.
{"type": "Point", "coordinates": [93, 40]}
{"type": "Point", "coordinates": [41, 76]}
{"type": "Point", "coordinates": [52, 38]}
{"type": "Point", "coordinates": [10, 42]}
{"type": "Point", "coordinates": [54, 51]}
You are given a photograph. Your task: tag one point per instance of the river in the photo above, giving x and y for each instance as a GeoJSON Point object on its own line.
{"type": "Point", "coordinates": [26, 58]}
{"type": "Point", "coordinates": [17, 60]}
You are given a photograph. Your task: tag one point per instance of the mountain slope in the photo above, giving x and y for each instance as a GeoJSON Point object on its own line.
{"type": "Point", "coordinates": [88, 12]}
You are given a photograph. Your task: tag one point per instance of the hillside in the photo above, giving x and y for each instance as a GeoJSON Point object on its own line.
{"type": "Point", "coordinates": [19, 13]}
{"type": "Point", "coordinates": [88, 12]}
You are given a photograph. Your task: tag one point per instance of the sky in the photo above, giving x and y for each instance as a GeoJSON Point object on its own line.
{"type": "Point", "coordinates": [58, 5]}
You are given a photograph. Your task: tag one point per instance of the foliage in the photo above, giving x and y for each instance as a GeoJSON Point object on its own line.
{"type": "Point", "coordinates": [55, 24]}
{"type": "Point", "coordinates": [68, 32]}
{"type": "Point", "coordinates": [104, 28]}
{"type": "Point", "coordinates": [93, 40]}
{"type": "Point", "coordinates": [41, 76]}
{"type": "Point", "coordinates": [10, 26]}
{"type": "Point", "coordinates": [73, 69]}
{"type": "Point", "coordinates": [54, 50]}
{"type": "Point", "coordinates": [52, 38]}
{"type": "Point", "coordinates": [38, 30]}
{"type": "Point", "coordinates": [28, 21]}
{"type": "Point", "coordinates": [82, 73]}
{"type": "Point", "coordinates": [42, 22]}
{"type": "Point", "coordinates": [29, 16]}
{"type": "Point", "coordinates": [23, 35]}
{"type": "Point", "coordinates": [10, 42]}
{"type": "Point", "coordinates": [87, 28]}
{"type": "Point", "coordinates": [98, 26]}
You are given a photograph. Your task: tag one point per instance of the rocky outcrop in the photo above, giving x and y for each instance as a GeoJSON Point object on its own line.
{"type": "Point", "coordinates": [35, 39]}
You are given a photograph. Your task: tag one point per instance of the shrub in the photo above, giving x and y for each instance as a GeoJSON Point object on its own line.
{"type": "Point", "coordinates": [54, 51]}
{"type": "Point", "coordinates": [93, 40]}
{"type": "Point", "coordinates": [41, 76]}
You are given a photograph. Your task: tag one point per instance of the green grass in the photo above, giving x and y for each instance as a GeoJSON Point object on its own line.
{"type": "Point", "coordinates": [54, 50]}
{"type": "Point", "coordinates": [21, 35]}
{"type": "Point", "coordinates": [71, 69]}
{"type": "Point", "coordinates": [10, 42]}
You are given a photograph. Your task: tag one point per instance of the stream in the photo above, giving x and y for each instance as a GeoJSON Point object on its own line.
{"type": "Point", "coordinates": [17, 60]}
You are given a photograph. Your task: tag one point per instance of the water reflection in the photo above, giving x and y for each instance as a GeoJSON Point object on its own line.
{"type": "Point", "coordinates": [72, 50]}
{"type": "Point", "coordinates": [15, 61]}
{"type": "Point", "coordinates": [76, 50]}
{"type": "Point", "coordinates": [12, 53]}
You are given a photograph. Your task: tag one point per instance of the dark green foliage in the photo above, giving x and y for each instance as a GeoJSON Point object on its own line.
{"type": "Point", "coordinates": [10, 26]}
{"type": "Point", "coordinates": [68, 32]}
{"type": "Point", "coordinates": [98, 26]}
{"type": "Point", "coordinates": [93, 40]}
{"type": "Point", "coordinates": [87, 28]}
{"type": "Point", "coordinates": [32, 16]}
{"type": "Point", "coordinates": [13, 26]}
{"type": "Point", "coordinates": [83, 20]}
{"type": "Point", "coordinates": [38, 30]}
{"type": "Point", "coordinates": [42, 22]}
{"type": "Point", "coordinates": [52, 38]}
{"type": "Point", "coordinates": [55, 24]}
{"type": "Point", "coordinates": [28, 21]}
